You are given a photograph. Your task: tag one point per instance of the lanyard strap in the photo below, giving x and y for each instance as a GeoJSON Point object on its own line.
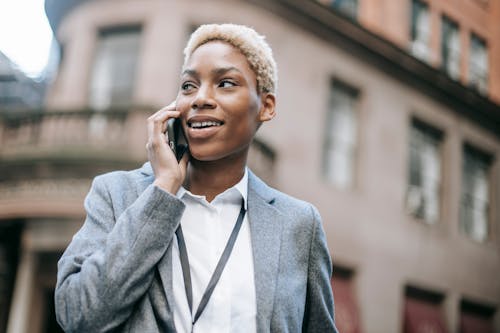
{"type": "Point", "coordinates": [218, 269]}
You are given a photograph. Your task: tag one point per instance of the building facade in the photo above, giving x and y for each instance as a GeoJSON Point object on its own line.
{"type": "Point", "coordinates": [398, 151]}
{"type": "Point", "coordinates": [17, 90]}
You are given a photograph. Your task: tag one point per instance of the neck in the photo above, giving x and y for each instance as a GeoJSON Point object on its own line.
{"type": "Point", "coordinates": [210, 178]}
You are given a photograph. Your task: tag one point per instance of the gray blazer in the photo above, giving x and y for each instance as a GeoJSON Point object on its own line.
{"type": "Point", "coordinates": [116, 274]}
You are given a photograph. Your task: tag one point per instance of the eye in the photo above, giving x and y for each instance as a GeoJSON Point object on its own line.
{"type": "Point", "coordinates": [227, 84]}
{"type": "Point", "coordinates": [186, 86]}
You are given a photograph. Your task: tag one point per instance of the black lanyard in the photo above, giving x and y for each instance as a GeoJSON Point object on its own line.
{"type": "Point", "coordinates": [218, 269]}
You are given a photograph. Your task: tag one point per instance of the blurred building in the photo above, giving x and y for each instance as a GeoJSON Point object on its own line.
{"type": "Point", "coordinates": [18, 90]}
{"type": "Point", "coordinates": [388, 121]}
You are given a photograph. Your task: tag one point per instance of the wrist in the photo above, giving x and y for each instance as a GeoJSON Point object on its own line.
{"type": "Point", "coordinates": [168, 185]}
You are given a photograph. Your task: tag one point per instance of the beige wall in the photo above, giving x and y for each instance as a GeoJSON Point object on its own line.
{"type": "Point", "coordinates": [367, 227]}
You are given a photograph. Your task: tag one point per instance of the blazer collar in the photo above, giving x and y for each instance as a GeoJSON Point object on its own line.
{"type": "Point", "coordinates": [266, 223]}
{"type": "Point", "coordinates": [255, 184]}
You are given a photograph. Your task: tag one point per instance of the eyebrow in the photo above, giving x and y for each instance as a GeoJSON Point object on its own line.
{"type": "Point", "coordinates": [224, 70]}
{"type": "Point", "coordinates": [215, 71]}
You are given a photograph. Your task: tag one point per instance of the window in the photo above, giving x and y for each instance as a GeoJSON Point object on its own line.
{"type": "Point", "coordinates": [422, 311]}
{"type": "Point", "coordinates": [450, 48]}
{"type": "Point", "coordinates": [113, 74]}
{"type": "Point", "coordinates": [478, 64]}
{"type": "Point", "coordinates": [420, 30]}
{"type": "Point", "coordinates": [46, 273]}
{"type": "Point", "coordinates": [424, 174]}
{"type": "Point", "coordinates": [10, 236]}
{"type": "Point", "coordinates": [476, 317]}
{"type": "Point", "coordinates": [341, 136]}
{"type": "Point", "coordinates": [348, 8]}
{"type": "Point", "coordinates": [475, 193]}
{"type": "Point", "coordinates": [346, 308]}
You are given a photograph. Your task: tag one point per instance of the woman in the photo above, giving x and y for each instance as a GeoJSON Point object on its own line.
{"type": "Point", "coordinates": [200, 245]}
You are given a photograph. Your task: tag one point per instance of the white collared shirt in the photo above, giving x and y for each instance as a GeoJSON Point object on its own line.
{"type": "Point", "coordinates": [206, 228]}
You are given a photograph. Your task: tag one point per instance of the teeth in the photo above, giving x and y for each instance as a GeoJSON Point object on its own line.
{"type": "Point", "coordinates": [202, 124]}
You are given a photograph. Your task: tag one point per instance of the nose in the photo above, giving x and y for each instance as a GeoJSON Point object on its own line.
{"type": "Point", "coordinates": [204, 98]}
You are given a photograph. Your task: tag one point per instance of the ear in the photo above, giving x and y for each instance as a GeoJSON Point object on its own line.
{"type": "Point", "coordinates": [267, 109]}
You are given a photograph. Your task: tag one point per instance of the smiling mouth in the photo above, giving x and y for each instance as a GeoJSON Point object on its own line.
{"type": "Point", "coordinates": [204, 124]}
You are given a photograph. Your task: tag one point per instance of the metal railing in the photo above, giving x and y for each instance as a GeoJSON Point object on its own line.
{"type": "Point", "coordinates": [33, 133]}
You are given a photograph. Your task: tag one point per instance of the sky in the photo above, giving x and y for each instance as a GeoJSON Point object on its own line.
{"type": "Point", "coordinates": [25, 34]}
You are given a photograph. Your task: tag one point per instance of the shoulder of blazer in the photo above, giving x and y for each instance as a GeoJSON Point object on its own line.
{"type": "Point", "coordinates": [132, 181]}
{"type": "Point", "coordinates": [287, 204]}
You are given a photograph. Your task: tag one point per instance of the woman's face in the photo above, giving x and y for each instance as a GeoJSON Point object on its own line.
{"type": "Point", "coordinates": [219, 103]}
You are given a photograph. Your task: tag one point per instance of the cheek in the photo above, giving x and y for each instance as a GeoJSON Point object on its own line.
{"type": "Point", "coordinates": [244, 119]}
{"type": "Point", "coordinates": [182, 103]}
{"type": "Point", "coordinates": [253, 113]}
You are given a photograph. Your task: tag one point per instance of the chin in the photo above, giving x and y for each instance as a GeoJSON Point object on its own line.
{"type": "Point", "coordinates": [206, 154]}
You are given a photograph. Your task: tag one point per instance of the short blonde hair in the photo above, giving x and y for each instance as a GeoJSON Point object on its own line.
{"type": "Point", "coordinates": [253, 46]}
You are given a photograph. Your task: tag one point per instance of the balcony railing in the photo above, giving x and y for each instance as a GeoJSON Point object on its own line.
{"type": "Point", "coordinates": [83, 133]}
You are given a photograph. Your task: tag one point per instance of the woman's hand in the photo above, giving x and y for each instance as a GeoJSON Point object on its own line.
{"type": "Point", "coordinates": [169, 175]}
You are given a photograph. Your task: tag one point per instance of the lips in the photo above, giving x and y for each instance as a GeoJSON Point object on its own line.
{"type": "Point", "coordinates": [202, 127]}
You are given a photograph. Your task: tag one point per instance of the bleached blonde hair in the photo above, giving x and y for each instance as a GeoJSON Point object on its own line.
{"type": "Point", "coordinates": [252, 45]}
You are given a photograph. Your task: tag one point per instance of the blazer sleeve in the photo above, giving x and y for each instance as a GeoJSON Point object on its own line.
{"type": "Point", "coordinates": [110, 262]}
{"type": "Point", "coordinates": [319, 309]}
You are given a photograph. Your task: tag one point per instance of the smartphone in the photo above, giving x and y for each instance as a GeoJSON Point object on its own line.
{"type": "Point", "coordinates": [176, 138]}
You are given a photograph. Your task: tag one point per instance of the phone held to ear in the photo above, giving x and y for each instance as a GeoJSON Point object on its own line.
{"type": "Point", "coordinates": [176, 138]}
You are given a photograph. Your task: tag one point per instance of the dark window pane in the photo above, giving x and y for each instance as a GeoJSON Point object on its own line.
{"type": "Point", "coordinates": [420, 30]}
{"type": "Point", "coordinates": [422, 312]}
{"type": "Point", "coordinates": [10, 233]}
{"type": "Point", "coordinates": [424, 172]}
{"type": "Point", "coordinates": [478, 64]}
{"type": "Point", "coordinates": [474, 212]}
{"type": "Point", "coordinates": [450, 48]}
{"type": "Point", "coordinates": [341, 136]}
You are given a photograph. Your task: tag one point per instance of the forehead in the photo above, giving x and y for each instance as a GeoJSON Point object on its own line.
{"type": "Point", "coordinates": [217, 54]}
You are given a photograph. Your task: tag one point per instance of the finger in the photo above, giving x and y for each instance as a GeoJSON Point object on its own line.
{"type": "Point", "coordinates": [157, 122]}
{"type": "Point", "coordinates": [160, 121]}
{"type": "Point", "coordinates": [170, 107]}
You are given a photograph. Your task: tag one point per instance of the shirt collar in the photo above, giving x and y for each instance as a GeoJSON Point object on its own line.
{"type": "Point", "coordinates": [241, 187]}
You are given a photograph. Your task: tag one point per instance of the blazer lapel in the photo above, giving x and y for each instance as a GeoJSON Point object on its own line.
{"type": "Point", "coordinates": [265, 229]}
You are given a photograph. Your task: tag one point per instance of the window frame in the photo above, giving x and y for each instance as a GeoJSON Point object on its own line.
{"type": "Point", "coordinates": [339, 5]}
{"type": "Point", "coordinates": [104, 32]}
{"type": "Point", "coordinates": [328, 140]}
{"type": "Point", "coordinates": [487, 158]}
{"type": "Point", "coordinates": [436, 134]}
{"type": "Point", "coordinates": [448, 25]}
{"type": "Point", "coordinates": [425, 299]}
{"type": "Point", "coordinates": [421, 49]}
{"type": "Point", "coordinates": [472, 65]}
{"type": "Point", "coordinates": [346, 295]}
{"type": "Point", "coordinates": [476, 311]}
